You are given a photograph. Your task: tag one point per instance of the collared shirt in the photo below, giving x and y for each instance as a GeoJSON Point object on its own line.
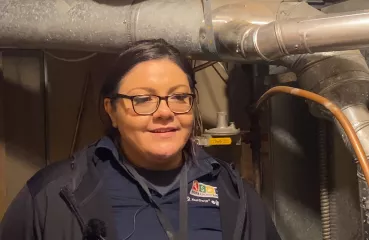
{"type": "Point", "coordinates": [135, 217]}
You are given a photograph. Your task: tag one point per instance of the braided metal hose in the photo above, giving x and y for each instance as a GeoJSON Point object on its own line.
{"type": "Point", "coordinates": [324, 191]}
{"type": "Point", "coordinates": [333, 213]}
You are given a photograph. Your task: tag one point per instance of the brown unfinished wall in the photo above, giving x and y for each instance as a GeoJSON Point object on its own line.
{"type": "Point", "coordinates": [66, 87]}
{"type": "Point", "coordinates": [2, 143]}
{"type": "Point", "coordinates": [24, 144]}
{"type": "Point", "coordinates": [22, 121]}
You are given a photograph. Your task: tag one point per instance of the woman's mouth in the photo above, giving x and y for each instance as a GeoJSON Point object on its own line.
{"type": "Point", "coordinates": [166, 132]}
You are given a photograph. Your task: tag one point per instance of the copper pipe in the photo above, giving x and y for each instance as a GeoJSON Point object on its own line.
{"type": "Point", "coordinates": [203, 66]}
{"type": "Point", "coordinates": [333, 108]}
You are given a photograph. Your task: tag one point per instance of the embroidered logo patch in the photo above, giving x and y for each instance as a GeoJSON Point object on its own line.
{"type": "Point", "coordinates": [202, 190]}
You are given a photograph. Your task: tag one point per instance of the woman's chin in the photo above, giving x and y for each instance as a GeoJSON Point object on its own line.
{"type": "Point", "coordinates": [164, 152]}
{"type": "Point", "coordinates": [162, 155]}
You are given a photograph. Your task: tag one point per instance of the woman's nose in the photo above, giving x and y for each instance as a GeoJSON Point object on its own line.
{"type": "Point", "coordinates": [163, 110]}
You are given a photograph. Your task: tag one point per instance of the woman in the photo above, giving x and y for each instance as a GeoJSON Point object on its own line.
{"type": "Point", "coordinates": [145, 179]}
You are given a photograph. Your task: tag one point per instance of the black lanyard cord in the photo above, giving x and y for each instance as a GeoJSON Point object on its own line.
{"type": "Point", "coordinates": [183, 211]}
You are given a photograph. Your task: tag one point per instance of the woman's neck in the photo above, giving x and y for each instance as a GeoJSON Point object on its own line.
{"type": "Point", "coordinates": [150, 162]}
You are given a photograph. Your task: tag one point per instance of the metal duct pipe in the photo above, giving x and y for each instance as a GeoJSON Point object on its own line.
{"type": "Point", "coordinates": [342, 77]}
{"type": "Point", "coordinates": [94, 25]}
{"type": "Point", "coordinates": [347, 6]}
{"type": "Point", "coordinates": [244, 30]}
{"type": "Point", "coordinates": [108, 26]}
{"type": "Point", "coordinates": [333, 32]}
{"type": "Point", "coordinates": [358, 115]}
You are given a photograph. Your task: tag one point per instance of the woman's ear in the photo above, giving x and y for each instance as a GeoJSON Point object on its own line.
{"type": "Point", "coordinates": [110, 110]}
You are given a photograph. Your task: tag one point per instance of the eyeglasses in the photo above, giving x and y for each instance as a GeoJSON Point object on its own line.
{"type": "Point", "coordinates": [179, 103]}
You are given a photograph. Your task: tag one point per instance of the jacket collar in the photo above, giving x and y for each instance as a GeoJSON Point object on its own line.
{"type": "Point", "coordinates": [202, 164]}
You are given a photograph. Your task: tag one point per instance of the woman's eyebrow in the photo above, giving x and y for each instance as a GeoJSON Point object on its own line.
{"type": "Point", "coordinates": [153, 91]}
{"type": "Point", "coordinates": [148, 89]}
{"type": "Point", "coordinates": [172, 89]}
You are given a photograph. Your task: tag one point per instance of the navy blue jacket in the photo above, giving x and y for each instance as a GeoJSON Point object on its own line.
{"type": "Point", "coordinates": [69, 200]}
{"type": "Point", "coordinates": [136, 217]}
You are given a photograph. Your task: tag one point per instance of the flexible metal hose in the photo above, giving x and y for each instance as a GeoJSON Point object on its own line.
{"type": "Point", "coordinates": [324, 190]}
{"type": "Point", "coordinates": [337, 113]}
{"type": "Point", "coordinates": [333, 213]}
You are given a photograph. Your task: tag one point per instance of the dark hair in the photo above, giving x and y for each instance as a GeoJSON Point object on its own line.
{"type": "Point", "coordinates": [139, 52]}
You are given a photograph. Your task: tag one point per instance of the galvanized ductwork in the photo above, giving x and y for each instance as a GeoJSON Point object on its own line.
{"type": "Point", "coordinates": [108, 26]}
{"type": "Point", "coordinates": [342, 77]}
{"type": "Point", "coordinates": [241, 30]}
{"type": "Point", "coordinates": [232, 30]}
{"type": "Point", "coordinates": [104, 26]}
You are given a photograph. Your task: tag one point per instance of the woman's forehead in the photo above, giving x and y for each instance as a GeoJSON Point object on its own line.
{"type": "Point", "coordinates": [157, 75]}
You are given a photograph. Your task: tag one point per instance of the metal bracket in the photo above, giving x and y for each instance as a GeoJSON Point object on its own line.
{"type": "Point", "coordinates": [208, 37]}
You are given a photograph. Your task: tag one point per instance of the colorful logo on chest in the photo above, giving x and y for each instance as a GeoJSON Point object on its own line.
{"type": "Point", "coordinates": [202, 190]}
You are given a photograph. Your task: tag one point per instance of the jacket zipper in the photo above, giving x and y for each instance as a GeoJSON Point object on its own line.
{"type": "Point", "coordinates": [240, 222]}
{"type": "Point", "coordinates": [68, 197]}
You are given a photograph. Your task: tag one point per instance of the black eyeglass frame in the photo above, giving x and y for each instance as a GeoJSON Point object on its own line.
{"type": "Point", "coordinates": [119, 95]}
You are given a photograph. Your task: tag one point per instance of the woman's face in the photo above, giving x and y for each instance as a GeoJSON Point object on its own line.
{"type": "Point", "coordinates": [156, 139]}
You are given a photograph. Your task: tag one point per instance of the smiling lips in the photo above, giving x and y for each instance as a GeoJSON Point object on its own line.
{"type": "Point", "coordinates": [166, 132]}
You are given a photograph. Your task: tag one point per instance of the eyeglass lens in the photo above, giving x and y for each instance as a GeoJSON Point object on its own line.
{"type": "Point", "coordinates": [178, 103]}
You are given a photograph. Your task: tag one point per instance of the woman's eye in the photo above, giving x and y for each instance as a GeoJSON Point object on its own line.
{"type": "Point", "coordinates": [179, 97]}
{"type": "Point", "coordinates": [142, 99]}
